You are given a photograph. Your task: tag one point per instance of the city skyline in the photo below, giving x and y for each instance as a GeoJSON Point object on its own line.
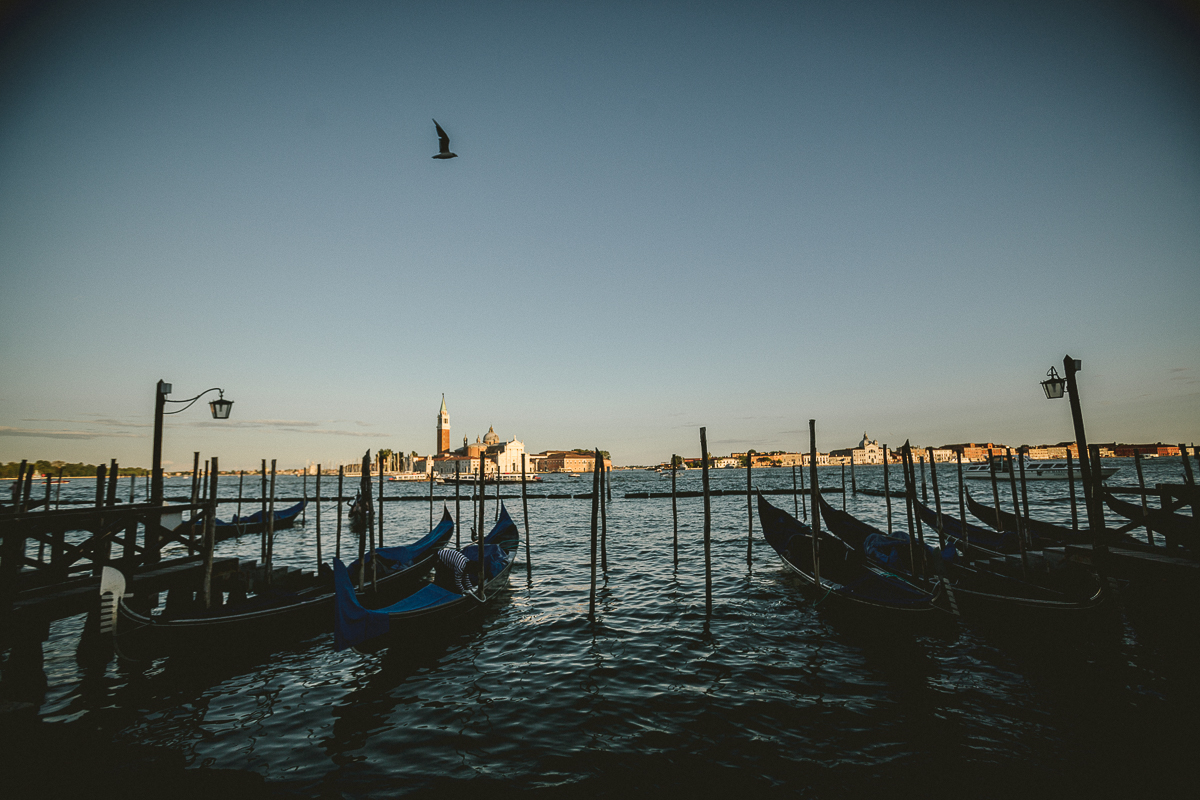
{"type": "Point", "coordinates": [882, 217]}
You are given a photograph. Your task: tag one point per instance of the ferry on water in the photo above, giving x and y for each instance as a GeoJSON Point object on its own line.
{"type": "Point", "coordinates": [1034, 470]}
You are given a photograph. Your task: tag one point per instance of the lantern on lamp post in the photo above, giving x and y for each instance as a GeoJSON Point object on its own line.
{"type": "Point", "coordinates": [1055, 387]}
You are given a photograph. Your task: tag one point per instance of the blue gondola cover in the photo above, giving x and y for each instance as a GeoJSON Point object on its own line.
{"type": "Point", "coordinates": [353, 624]}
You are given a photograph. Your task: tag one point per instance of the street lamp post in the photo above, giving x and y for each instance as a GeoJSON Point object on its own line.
{"type": "Point", "coordinates": [220, 410]}
{"type": "Point", "coordinates": [1054, 386]}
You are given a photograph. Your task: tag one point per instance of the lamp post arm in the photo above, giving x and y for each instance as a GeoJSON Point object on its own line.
{"type": "Point", "coordinates": [192, 401]}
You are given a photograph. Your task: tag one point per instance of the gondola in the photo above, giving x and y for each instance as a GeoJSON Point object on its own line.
{"type": "Point", "coordinates": [251, 523]}
{"type": "Point", "coordinates": [1039, 533]}
{"type": "Point", "coordinates": [844, 572]}
{"type": "Point", "coordinates": [990, 541]}
{"type": "Point", "coordinates": [1177, 529]}
{"type": "Point", "coordinates": [989, 584]}
{"type": "Point", "coordinates": [303, 603]}
{"type": "Point", "coordinates": [881, 492]}
{"type": "Point", "coordinates": [429, 609]}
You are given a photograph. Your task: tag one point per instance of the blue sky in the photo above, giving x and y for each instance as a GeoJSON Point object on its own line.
{"type": "Point", "coordinates": [887, 217]}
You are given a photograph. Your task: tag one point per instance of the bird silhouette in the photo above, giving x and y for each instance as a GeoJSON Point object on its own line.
{"type": "Point", "coordinates": [443, 143]}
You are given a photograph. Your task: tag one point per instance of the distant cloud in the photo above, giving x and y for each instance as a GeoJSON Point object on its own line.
{"type": "Point", "coordinates": [111, 423]}
{"type": "Point", "coordinates": [42, 434]}
{"type": "Point", "coordinates": [287, 425]}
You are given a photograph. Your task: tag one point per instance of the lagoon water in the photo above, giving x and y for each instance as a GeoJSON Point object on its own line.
{"type": "Point", "coordinates": [776, 692]}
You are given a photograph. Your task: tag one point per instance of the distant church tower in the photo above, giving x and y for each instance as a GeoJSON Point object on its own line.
{"type": "Point", "coordinates": [443, 429]}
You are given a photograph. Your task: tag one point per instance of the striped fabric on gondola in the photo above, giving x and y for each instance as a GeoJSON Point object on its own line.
{"type": "Point", "coordinates": [457, 563]}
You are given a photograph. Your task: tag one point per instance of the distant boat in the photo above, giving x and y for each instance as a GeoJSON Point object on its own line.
{"type": "Point", "coordinates": [489, 480]}
{"type": "Point", "coordinates": [409, 477]}
{"type": "Point", "coordinates": [1034, 470]}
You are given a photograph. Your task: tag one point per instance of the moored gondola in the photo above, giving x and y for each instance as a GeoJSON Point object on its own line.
{"type": "Point", "coordinates": [995, 582]}
{"type": "Point", "coordinates": [432, 607]}
{"type": "Point", "coordinates": [250, 523]}
{"type": "Point", "coordinates": [841, 571]}
{"type": "Point", "coordinates": [1178, 529]}
{"type": "Point", "coordinates": [301, 602]}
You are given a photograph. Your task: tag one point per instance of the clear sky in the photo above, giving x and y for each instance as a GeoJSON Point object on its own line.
{"type": "Point", "coordinates": [889, 217]}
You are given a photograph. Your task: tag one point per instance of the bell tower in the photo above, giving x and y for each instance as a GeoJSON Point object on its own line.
{"type": "Point", "coordinates": [443, 429]}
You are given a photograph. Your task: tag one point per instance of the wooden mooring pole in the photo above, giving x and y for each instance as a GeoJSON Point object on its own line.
{"type": "Point", "coordinates": [887, 492]}
{"type": "Point", "coordinates": [210, 532]}
{"type": "Point", "coordinates": [457, 505]}
{"type": "Point", "coordinates": [1137, 462]}
{"type": "Point", "coordinates": [816, 501]}
{"type": "Point", "coordinates": [320, 559]}
{"type": "Point", "coordinates": [674, 510]}
{"type": "Point", "coordinates": [337, 541]}
{"type": "Point", "coordinates": [595, 534]}
{"type": "Point", "coordinates": [707, 524]}
{"type": "Point", "coordinates": [603, 517]}
{"type": "Point", "coordinates": [524, 512]}
{"type": "Point", "coordinates": [749, 508]}
{"type": "Point", "coordinates": [1071, 486]}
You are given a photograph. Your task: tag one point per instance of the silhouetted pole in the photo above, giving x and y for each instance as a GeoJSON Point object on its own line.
{"type": "Point", "coordinates": [1071, 484]}
{"type": "Point", "coordinates": [674, 511]}
{"type": "Point", "coordinates": [1137, 462]}
{"type": "Point", "coordinates": [924, 491]}
{"type": "Point", "coordinates": [304, 497]}
{"type": "Point", "coordinates": [595, 526]}
{"type": "Point", "coordinates": [749, 507]}
{"type": "Point", "coordinates": [156, 471]}
{"type": "Point", "coordinates": [367, 528]}
{"type": "Point", "coordinates": [237, 516]}
{"type": "Point", "coordinates": [457, 504]}
{"type": "Point", "coordinates": [707, 524]}
{"type": "Point", "coordinates": [525, 512]}
{"type": "Point", "coordinates": [937, 500]}
{"type": "Point", "coordinates": [319, 557]}
{"type": "Point", "coordinates": [381, 503]}
{"type": "Point", "coordinates": [843, 486]}
{"type": "Point", "coordinates": [608, 482]}
{"type": "Point", "coordinates": [853, 482]}
{"type": "Point", "coordinates": [909, 495]}
{"type": "Point", "coordinates": [479, 542]}
{"type": "Point", "coordinates": [962, 511]}
{"type": "Point", "coordinates": [497, 515]}
{"type": "Point", "coordinates": [1090, 482]}
{"type": "Point", "coordinates": [262, 535]}
{"type": "Point", "coordinates": [1012, 481]}
{"type": "Point", "coordinates": [816, 500]}
{"type": "Point", "coordinates": [803, 495]}
{"type": "Point", "coordinates": [603, 517]}
{"type": "Point", "coordinates": [210, 533]}
{"type": "Point", "coordinates": [482, 497]}
{"type": "Point", "coordinates": [270, 526]}
{"type": "Point", "coordinates": [887, 492]}
{"type": "Point", "coordinates": [795, 494]}
{"type": "Point", "coordinates": [1188, 477]}
{"type": "Point", "coordinates": [1025, 496]}
{"type": "Point", "coordinates": [995, 488]}
{"type": "Point", "coordinates": [337, 542]}
{"type": "Point", "coordinates": [430, 498]}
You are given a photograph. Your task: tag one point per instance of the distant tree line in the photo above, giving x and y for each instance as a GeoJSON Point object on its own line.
{"type": "Point", "coordinates": [78, 470]}
{"type": "Point", "coordinates": [603, 453]}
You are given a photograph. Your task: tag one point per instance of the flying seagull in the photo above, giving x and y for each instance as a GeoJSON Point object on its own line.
{"type": "Point", "coordinates": [443, 143]}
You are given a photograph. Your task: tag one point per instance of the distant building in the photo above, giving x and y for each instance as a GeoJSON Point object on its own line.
{"type": "Point", "coordinates": [568, 461]}
{"type": "Point", "coordinates": [443, 429]}
{"type": "Point", "coordinates": [868, 451]}
{"type": "Point", "coordinates": [1156, 449]}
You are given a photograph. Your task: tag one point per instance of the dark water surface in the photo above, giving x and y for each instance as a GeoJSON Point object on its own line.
{"type": "Point", "coordinates": [775, 693]}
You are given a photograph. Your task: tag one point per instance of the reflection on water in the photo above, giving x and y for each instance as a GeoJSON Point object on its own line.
{"type": "Point", "coordinates": [773, 692]}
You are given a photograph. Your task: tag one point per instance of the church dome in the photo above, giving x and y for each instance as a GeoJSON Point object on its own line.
{"type": "Point", "coordinates": [490, 437]}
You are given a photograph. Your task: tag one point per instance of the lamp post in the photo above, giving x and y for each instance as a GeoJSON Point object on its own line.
{"type": "Point", "coordinates": [1054, 386]}
{"type": "Point", "coordinates": [220, 410]}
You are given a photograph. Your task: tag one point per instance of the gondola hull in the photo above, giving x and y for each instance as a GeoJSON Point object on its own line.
{"type": "Point", "coordinates": [430, 609]}
{"type": "Point", "coordinates": [270, 616]}
{"type": "Point", "coordinates": [844, 577]}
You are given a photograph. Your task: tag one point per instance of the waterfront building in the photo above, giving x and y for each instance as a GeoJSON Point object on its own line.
{"type": "Point", "coordinates": [868, 451]}
{"type": "Point", "coordinates": [568, 461]}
